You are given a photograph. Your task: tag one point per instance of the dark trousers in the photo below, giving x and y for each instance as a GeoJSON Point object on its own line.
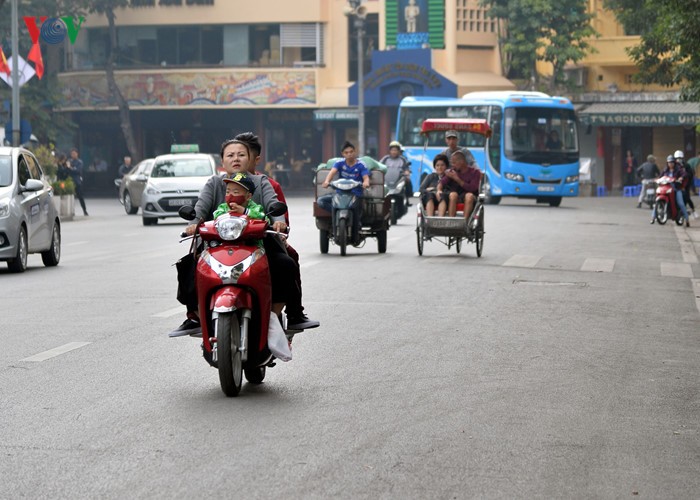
{"type": "Point", "coordinates": [79, 195]}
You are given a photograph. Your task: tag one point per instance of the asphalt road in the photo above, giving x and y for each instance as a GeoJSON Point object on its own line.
{"type": "Point", "coordinates": [564, 363]}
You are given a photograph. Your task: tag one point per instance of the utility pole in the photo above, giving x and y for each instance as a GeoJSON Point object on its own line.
{"type": "Point", "coordinates": [358, 13]}
{"type": "Point", "coordinates": [15, 74]}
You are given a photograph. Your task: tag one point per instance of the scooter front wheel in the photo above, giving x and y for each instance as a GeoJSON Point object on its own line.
{"type": "Point", "coordinates": [228, 335]}
{"type": "Point", "coordinates": [342, 236]}
{"type": "Point", "coordinates": [661, 211]}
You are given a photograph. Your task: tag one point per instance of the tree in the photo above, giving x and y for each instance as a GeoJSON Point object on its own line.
{"type": "Point", "coordinates": [107, 8]}
{"type": "Point", "coordinates": [542, 30]}
{"type": "Point", "coordinates": [669, 31]}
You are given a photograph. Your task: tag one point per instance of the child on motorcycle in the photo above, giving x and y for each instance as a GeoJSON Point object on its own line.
{"type": "Point", "coordinates": [239, 191]}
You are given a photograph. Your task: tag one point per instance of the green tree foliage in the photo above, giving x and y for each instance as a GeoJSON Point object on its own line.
{"type": "Point", "coordinates": [669, 49]}
{"type": "Point", "coordinates": [555, 31]}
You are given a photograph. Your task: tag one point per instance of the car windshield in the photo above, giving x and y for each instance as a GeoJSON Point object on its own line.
{"type": "Point", "coordinates": [5, 171]}
{"type": "Point", "coordinates": [186, 167]}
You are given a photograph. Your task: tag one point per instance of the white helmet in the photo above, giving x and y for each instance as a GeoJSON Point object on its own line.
{"type": "Point", "coordinates": [678, 155]}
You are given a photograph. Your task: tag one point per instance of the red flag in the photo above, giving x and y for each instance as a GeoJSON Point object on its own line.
{"type": "Point", "coordinates": [4, 67]}
{"type": "Point", "coordinates": [35, 57]}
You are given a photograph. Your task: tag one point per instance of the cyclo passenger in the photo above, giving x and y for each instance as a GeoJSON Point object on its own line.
{"type": "Point", "coordinates": [235, 157]}
{"type": "Point", "coordinates": [459, 185]}
{"type": "Point", "coordinates": [429, 187]}
{"type": "Point", "coordinates": [350, 168]}
{"type": "Point", "coordinates": [679, 176]}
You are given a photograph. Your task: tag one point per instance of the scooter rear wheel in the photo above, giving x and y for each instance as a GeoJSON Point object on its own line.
{"type": "Point", "coordinates": [228, 335]}
{"type": "Point", "coordinates": [661, 211]}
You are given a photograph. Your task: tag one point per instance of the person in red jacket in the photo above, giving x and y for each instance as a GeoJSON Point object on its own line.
{"type": "Point", "coordinates": [295, 312]}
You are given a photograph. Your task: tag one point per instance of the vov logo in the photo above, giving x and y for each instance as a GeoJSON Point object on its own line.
{"type": "Point", "coordinates": [53, 30]}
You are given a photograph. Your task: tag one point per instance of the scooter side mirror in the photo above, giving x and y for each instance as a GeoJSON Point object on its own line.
{"type": "Point", "coordinates": [277, 208]}
{"type": "Point", "coordinates": [187, 212]}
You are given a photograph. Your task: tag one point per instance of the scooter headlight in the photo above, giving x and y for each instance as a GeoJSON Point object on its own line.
{"type": "Point", "coordinates": [230, 227]}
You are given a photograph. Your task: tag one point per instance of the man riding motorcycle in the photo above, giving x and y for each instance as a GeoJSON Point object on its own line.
{"type": "Point", "coordinates": [397, 164]}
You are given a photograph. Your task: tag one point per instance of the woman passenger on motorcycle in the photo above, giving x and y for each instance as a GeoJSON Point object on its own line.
{"type": "Point", "coordinates": [678, 174]}
{"type": "Point", "coordinates": [429, 186]}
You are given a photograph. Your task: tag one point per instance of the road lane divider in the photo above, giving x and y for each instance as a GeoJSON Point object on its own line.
{"type": "Point", "coordinates": [56, 351]}
{"type": "Point", "coordinates": [598, 265]}
{"type": "Point", "coordinates": [522, 261]}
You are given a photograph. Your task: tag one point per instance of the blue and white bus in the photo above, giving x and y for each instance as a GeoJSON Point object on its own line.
{"type": "Point", "coordinates": [525, 157]}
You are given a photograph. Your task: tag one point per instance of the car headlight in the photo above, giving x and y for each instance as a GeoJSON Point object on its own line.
{"type": "Point", "coordinates": [4, 208]}
{"type": "Point", "coordinates": [230, 227]}
{"type": "Point", "coordinates": [152, 190]}
{"type": "Point", "coordinates": [514, 177]}
{"type": "Point", "coordinates": [572, 178]}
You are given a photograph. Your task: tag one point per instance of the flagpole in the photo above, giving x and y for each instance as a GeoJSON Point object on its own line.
{"type": "Point", "coordinates": [15, 75]}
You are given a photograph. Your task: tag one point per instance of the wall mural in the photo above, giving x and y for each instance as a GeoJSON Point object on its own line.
{"type": "Point", "coordinates": [191, 89]}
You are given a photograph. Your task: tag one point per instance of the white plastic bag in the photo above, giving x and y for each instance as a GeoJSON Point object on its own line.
{"type": "Point", "coordinates": [277, 341]}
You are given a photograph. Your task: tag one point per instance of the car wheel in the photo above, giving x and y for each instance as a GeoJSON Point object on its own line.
{"type": "Point", "coordinates": [129, 207]}
{"type": "Point", "coordinates": [150, 221]}
{"type": "Point", "coordinates": [19, 263]}
{"type": "Point", "coordinates": [51, 256]}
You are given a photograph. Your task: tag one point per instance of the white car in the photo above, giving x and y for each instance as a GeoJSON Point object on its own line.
{"type": "Point", "coordinates": [175, 180]}
{"type": "Point", "coordinates": [29, 221]}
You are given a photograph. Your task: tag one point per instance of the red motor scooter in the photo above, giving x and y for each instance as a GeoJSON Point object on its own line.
{"type": "Point", "coordinates": [234, 296]}
{"type": "Point", "coordinates": [665, 202]}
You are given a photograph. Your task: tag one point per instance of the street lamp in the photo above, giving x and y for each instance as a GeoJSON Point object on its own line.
{"type": "Point", "coordinates": [354, 9]}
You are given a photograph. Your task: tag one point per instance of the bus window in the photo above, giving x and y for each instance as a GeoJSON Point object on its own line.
{"type": "Point", "coordinates": [528, 132]}
{"type": "Point", "coordinates": [411, 120]}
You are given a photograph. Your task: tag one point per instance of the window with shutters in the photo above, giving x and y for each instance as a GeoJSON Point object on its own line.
{"type": "Point", "coordinates": [301, 44]}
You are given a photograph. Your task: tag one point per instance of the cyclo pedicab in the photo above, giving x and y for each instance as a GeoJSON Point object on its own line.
{"type": "Point", "coordinates": [452, 231]}
{"type": "Point", "coordinates": [376, 208]}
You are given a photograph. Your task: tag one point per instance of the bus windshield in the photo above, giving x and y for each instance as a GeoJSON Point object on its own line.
{"type": "Point", "coordinates": [412, 120]}
{"type": "Point", "coordinates": [541, 135]}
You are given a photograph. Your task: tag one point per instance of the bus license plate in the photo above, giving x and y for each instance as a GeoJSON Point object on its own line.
{"type": "Point", "coordinates": [178, 203]}
{"type": "Point", "coordinates": [548, 189]}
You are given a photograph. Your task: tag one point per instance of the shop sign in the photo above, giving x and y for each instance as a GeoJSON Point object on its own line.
{"type": "Point", "coordinates": [403, 71]}
{"type": "Point", "coordinates": [651, 119]}
{"type": "Point", "coordinates": [335, 114]}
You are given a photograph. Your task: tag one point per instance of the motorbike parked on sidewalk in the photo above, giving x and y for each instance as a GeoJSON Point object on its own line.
{"type": "Point", "coordinates": [665, 202]}
{"type": "Point", "coordinates": [234, 296]}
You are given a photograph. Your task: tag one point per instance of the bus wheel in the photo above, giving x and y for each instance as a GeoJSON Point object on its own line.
{"type": "Point", "coordinates": [554, 202]}
{"type": "Point", "coordinates": [490, 199]}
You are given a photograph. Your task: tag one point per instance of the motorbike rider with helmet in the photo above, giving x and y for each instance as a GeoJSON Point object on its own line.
{"type": "Point", "coordinates": [678, 174]}
{"type": "Point", "coordinates": [397, 164]}
{"type": "Point", "coordinates": [680, 162]}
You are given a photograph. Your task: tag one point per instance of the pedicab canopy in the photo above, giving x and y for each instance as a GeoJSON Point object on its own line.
{"type": "Point", "coordinates": [471, 125]}
{"type": "Point", "coordinates": [369, 162]}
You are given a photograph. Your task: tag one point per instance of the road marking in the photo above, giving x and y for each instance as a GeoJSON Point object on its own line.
{"type": "Point", "coordinates": [522, 261]}
{"type": "Point", "coordinates": [598, 265]}
{"type": "Point", "coordinates": [170, 312]}
{"type": "Point", "coordinates": [696, 292]}
{"type": "Point", "coordinates": [687, 247]}
{"type": "Point", "coordinates": [676, 269]}
{"type": "Point", "coordinates": [57, 351]}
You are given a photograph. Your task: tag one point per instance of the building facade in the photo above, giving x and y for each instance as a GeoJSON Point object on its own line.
{"type": "Point", "coordinates": [200, 71]}
{"type": "Point", "coordinates": [617, 114]}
